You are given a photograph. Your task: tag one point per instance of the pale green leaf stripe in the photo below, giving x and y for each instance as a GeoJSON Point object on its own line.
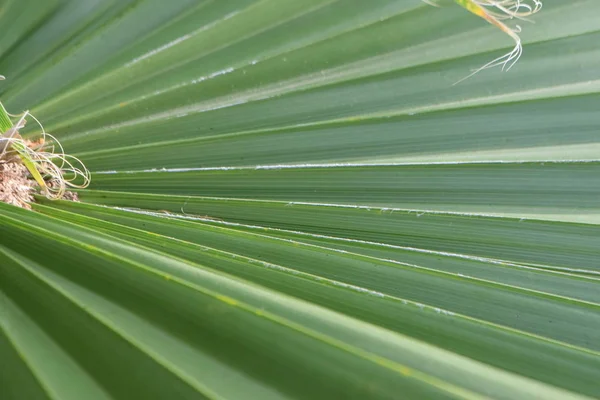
{"type": "Point", "coordinates": [35, 347]}
{"type": "Point", "coordinates": [15, 376]}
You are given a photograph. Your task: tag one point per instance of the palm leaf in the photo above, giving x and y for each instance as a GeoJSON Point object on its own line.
{"type": "Point", "coordinates": [290, 199]}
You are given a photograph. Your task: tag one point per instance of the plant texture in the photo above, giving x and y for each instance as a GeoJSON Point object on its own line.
{"type": "Point", "coordinates": [44, 159]}
{"type": "Point", "coordinates": [291, 200]}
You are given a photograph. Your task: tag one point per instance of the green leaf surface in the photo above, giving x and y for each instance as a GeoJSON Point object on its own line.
{"type": "Point", "coordinates": [211, 298]}
{"type": "Point", "coordinates": [550, 191]}
{"type": "Point", "coordinates": [537, 242]}
{"type": "Point", "coordinates": [291, 199]}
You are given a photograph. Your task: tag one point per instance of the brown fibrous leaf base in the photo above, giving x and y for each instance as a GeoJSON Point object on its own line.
{"type": "Point", "coordinates": [16, 188]}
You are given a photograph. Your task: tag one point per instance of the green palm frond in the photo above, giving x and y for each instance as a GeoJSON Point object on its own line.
{"type": "Point", "coordinates": [291, 199]}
